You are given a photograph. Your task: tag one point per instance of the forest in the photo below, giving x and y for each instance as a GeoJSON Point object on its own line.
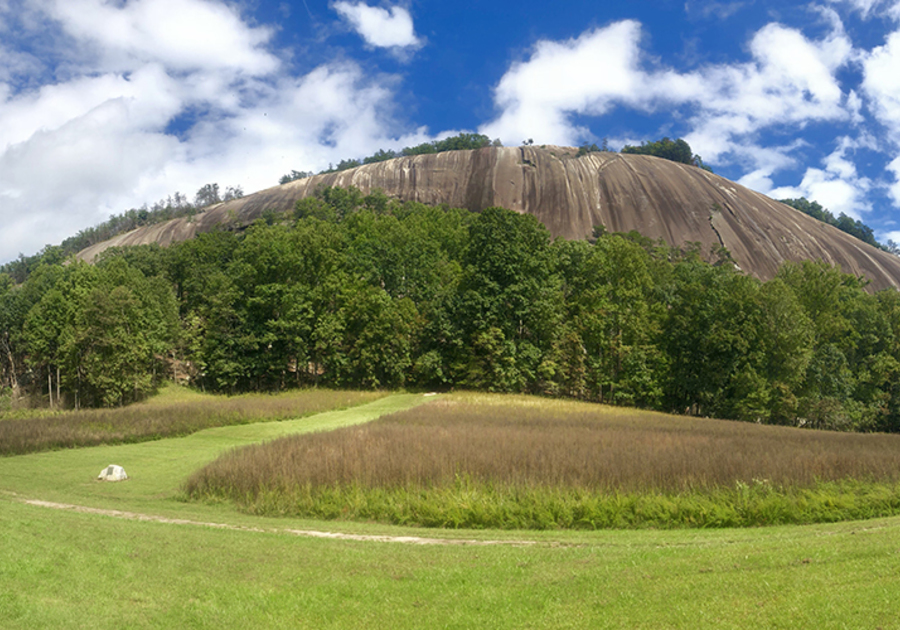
{"type": "Point", "coordinates": [353, 290]}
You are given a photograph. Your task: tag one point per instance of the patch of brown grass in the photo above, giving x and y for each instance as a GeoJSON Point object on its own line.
{"type": "Point", "coordinates": [183, 415]}
{"type": "Point", "coordinates": [520, 441]}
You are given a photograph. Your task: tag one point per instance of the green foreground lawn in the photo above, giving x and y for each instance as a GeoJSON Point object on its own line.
{"type": "Point", "coordinates": [63, 569]}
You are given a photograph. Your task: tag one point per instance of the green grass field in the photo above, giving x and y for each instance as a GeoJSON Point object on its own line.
{"type": "Point", "coordinates": [174, 412]}
{"type": "Point", "coordinates": [67, 569]}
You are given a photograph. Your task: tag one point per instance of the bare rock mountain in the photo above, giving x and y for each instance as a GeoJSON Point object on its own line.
{"type": "Point", "coordinates": [570, 195]}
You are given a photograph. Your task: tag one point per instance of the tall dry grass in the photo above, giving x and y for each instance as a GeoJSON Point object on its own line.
{"type": "Point", "coordinates": [155, 419]}
{"type": "Point", "coordinates": [574, 446]}
{"type": "Point", "coordinates": [522, 458]}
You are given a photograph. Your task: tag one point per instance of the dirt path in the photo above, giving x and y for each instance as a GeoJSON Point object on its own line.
{"type": "Point", "coordinates": [408, 540]}
{"type": "Point", "coordinates": [858, 527]}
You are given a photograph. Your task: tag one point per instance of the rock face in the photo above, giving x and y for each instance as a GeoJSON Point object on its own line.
{"type": "Point", "coordinates": [112, 473]}
{"type": "Point", "coordinates": [570, 195]}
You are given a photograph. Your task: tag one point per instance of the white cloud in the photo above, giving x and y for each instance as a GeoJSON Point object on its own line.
{"type": "Point", "coordinates": [585, 75]}
{"type": "Point", "coordinates": [855, 106]}
{"type": "Point", "coordinates": [765, 161]}
{"type": "Point", "coordinates": [881, 83]}
{"type": "Point", "coordinates": [86, 116]}
{"type": "Point", "coordinates": [151, 92]}
{"type": "Point", "coordinates": [97, 140]}
{"type": "Point", "coordinates": [298, 123]}
{"type": "Point", "coordinates": [836, 194]}
{"type": "Point", "coordinates": [837, 186]}
{"type": "Point", "coordinates": [60, 178]}
{"type": "Point", "coordinates": [381, 28]}
{"type": "Point", "coordinates": [182, 34]}
{"type": "Point", "coordinates": [759, 180]}
{"type": "Point", "coordinates": [894, 188]}
{"type": "Point", "coordinates": [790, 80]}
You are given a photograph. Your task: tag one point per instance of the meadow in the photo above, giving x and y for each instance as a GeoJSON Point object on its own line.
{"type": "Point", "coordinates": [516, 462]}
{"type": "Point", "coordinates": [145, 558]}
{"type": "Point", "coordinates": [174, 412]}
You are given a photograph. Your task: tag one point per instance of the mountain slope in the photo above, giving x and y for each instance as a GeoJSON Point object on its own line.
{"type": "Point", "coordinates": [570, 195]}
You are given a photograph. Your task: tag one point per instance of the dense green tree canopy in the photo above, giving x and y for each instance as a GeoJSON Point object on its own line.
{"type": "Point", "coordinates": [851, 226]}
{"type": "Point", "coordinates": [363, 291]}
{"type": "Point", "coordinates": [460, 142]}
{"type": "Point", "coordinates": [673, 150]}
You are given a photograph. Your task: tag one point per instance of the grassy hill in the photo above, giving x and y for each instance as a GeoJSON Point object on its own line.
{"type": "Point", "coordinates": [212, 566]}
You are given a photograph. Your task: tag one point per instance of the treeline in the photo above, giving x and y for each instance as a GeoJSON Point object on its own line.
{"type": "Point", "coordinates": [853, 227]}
{"type": "Point", "coordinates": [674, 150]}
{"type": "Point", "coordinates": [86, 335]}
{"type": "Point", "coordinates": [363, 291]}
{"type": "Point", "coordinates": [461, 142]}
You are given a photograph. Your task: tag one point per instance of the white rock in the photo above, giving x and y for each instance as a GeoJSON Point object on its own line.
{"type": "Point", "coordinates": [113, 473]}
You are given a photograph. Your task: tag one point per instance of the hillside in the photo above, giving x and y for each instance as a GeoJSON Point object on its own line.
{"type": "Point", "coordinates": [570, 195]}
{"type": "Point", "coordinates": [361, 291]}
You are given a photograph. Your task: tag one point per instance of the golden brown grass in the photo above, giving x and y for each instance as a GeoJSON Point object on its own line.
{"type": "Point", "coordinates": [175, 413]}
{"type": "Point", "coordinates": [522, 442]}
{"type": "Point", "coordinates": [481, 461]}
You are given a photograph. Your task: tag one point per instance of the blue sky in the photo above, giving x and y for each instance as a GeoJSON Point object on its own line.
{"type": "Point", "coordinates": [109, 104]}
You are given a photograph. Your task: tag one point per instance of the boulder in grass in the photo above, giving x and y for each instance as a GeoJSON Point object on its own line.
{"type": "Point", "coordinates": [112, 473]}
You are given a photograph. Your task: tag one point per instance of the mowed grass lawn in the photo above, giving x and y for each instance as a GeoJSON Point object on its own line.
{"type": "Point", "coordinates": [174, 412]}
{"type": "Point", "coordinates": [64, 569]}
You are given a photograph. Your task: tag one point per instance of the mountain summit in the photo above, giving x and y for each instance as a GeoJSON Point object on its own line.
{"type": "Point", "coordinates": [572, 194]}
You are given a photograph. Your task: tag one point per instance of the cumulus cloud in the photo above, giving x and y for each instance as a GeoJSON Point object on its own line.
{"type": "Point", "coordinates": [305, 122]}
{"type": "Point", "coordinates": [894, 188]}
{"type": "Point", "coordinates": [380, 28]}
{"type": "Point", "coordinates": [790, 80]}
{"type": "Point", "coordinates": [766, 161]}
{"type": "Point", "coordinates": [105, 105]}
{"type": "Point", "coordinates": [881, 83]}
{"type": "Point", "coordinates": [143, 108]}
{"type": "Point", "coordinates": [58, 178]}
{"type": "Point", "coordinates": [838, 182]}
{"type": "Point", "coordinates": [182, 34]}
{"type": "Point", "coordinates": [586, 75]}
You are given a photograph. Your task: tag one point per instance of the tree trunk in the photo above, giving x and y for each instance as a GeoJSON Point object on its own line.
{"type": "Point", "coordinates": [13, 377]}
